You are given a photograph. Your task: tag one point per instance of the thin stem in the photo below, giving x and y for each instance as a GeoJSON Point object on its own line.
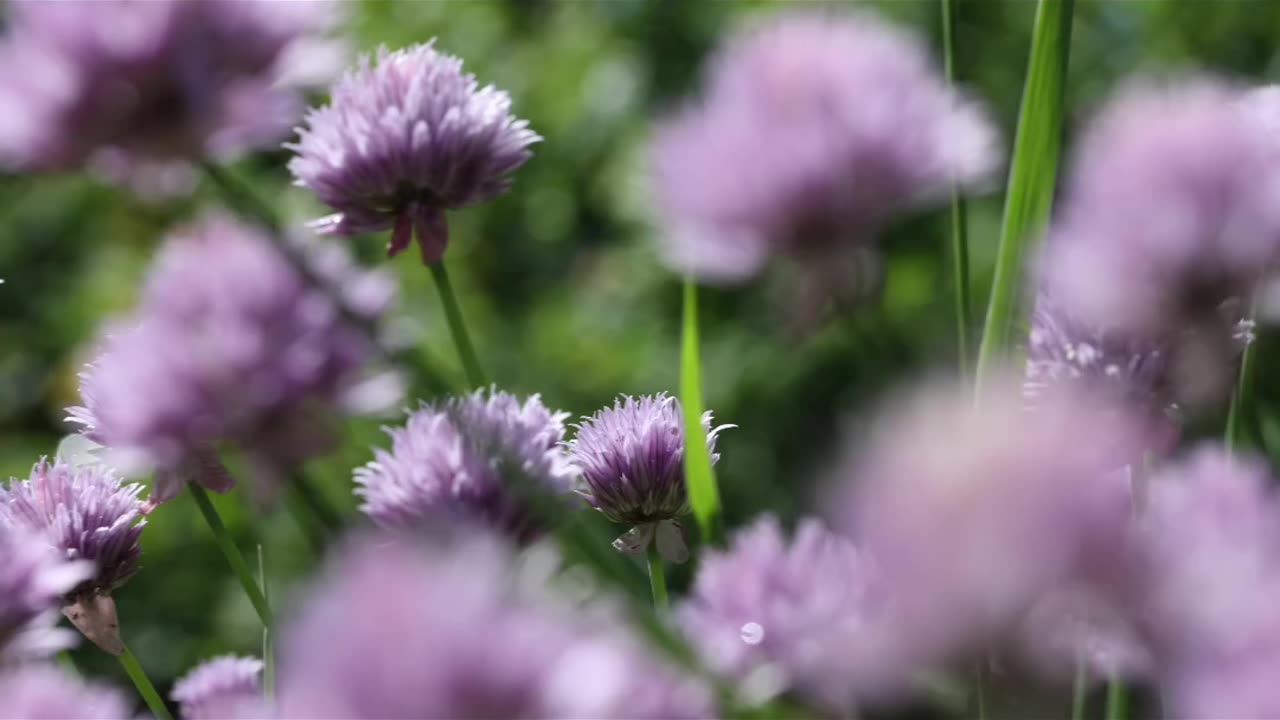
{"type": "Point", "coordinates": [232, 554]}
{"type": "Point", "coordinates": [980, 693]}
{"type": "Point", "coordinates": [316, 504]}
{"type": "Point", "coordinates": [148, 691]}
{"type": "Point", "coordinates": [1079, 691]}
{"type": "Point", "coordinates": [268, 652]}
{"type": "Point", "coordinates": [657, 578]}
{"type": "Point", "coordinates": [1242, 397]}
{"type": "Point", "coordinates": [457, 328]}
{"type": "Point", "coordinates": [959, 214]}
{"type": "Point", "coordinates": [241, 198]}
{"type": "Point", "coordinates": [68, 663]}
{"type": "Point", "coordinates": [1117, 700]}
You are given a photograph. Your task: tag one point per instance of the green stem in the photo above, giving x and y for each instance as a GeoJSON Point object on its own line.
{"type": "Point", "coordinates": [457, 328]}
{"type": "Point", "coordinates": [959, 214]}
{"type": "Point", "coordinates": [232, 554]}
{"type": "Point", "coordinates": [1117, 700]}
{"type": "Point", "coordinates": [1032, 173]}
{"type": "Point", "coordinates": [243, 200]}
{"type": "Point", "coordinates": [268, 651]}
{"type": "Point", "coordinates": [324, 513]}
{"type": "Point", "coordinates": [1079, 691]}
{"type": "Point", "coordinates": [657, 578]}
{"type": "Point", "coordinates": [980, 693]}
{"type": "Point", "coordinates": [148, 691]}
{"type": "Point", "coordinates": [1242, 397]}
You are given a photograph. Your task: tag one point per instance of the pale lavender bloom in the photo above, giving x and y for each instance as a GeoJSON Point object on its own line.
{"type": "Point", "coordinates": [405, 137]}
{"type": "Point", "coordinates": [132, 87]}
{"type": "Point", "coordinates": [43, 692]}
{"type": "Point", "coordinates": [397, 630]}
{"type": "Point", "coordinates": [786, 615]}
{"type": "Point", "coordinates": [813, 130]}
{"type": "Point", "coordinates": [631, 457]}
{"type": "Point", "coordinates": [1170, 217]}
{"type": "Point", "coordinates": [1065, 353]}
{"type": "Point", "coordinates": [33, 581]}
{"type": "Point", "coordinates": [85, 512]}
{"type": "Point", "coordinates": [220, 688]}
{"type": "Point", "coordinates": [476, 457]}
{"type": "Point", "coordinates": [1004, 506]}
{"type": "Point", "coordinates": [229, 344]}
{"type": "Point", "coordinates": [1209, 566]}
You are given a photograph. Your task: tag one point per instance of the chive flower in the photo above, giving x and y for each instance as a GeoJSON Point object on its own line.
{"type": "Point", "coordinates": [220, 688]}
{"type": "Point", "coordinates": [406, 136]}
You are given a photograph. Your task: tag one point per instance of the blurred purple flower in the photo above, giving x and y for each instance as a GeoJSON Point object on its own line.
{"type": "Point", "coordinates": [779, 615]}
{"type": "Point", "coordinates": [1004, 506]}
{"type": "Point", "coordinates": [397, 630]}
{"type": "Point", "coordinates": [1210, 573]}
{"type": "Point", "coordinates": [229, 343]}
{"type": "Point", "coordinates": [631, 458]}
{"type": "Point", "coordinates": [1170, 221]}
{"type": "Point", "coordinates": [473, 457]}
{"type": "Point", "coordinates": [814, 129]}
{"type": "Point", "coordinates": [41, 692]}
{"type": "Point", "coordinates": [130, 88]}
{"type": "Point", "coordinates": [221, 688]}
{"type": "Point", "coordinates": [84, 512]}
{"type": "Point", "coordinates": [405, 137]}
{"type": "Point", "coordinates": [33, 581]}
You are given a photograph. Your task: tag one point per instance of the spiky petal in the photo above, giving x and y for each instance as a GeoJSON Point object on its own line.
{"type": "Point", "coordinates": [221, 688]}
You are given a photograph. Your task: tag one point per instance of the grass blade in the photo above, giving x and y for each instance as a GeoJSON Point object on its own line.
{"type": "Point", "coordinates": [700, 478]}
{"type": "Point", "coordinates": [1032, 171]}
{"type": "Point", "coordinates": [959, 215]}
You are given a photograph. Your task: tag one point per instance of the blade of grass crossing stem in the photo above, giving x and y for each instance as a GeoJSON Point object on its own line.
{"type": "Point", "coordinates": [700, 478]}
{"type": "Point", "coordinates": [959, 214]}
{"type": "Point", "coordinates": [232, 554]}
{"type": "Point", "coordinates": [134, 670]}
{"type": "Point", "coordinates": [1032, 172]}
{"type": "Point", "coordinates": [457, 327]}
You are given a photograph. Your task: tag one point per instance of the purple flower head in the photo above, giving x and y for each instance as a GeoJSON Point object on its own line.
{"type": "Point", "coordinates": [1170, 219]}
{"type": "Point", "coordinates": [84, 512]}
{"type": "Point", "coordinates": [1209, 566]}
{"type": "Point", "coordinates": [43, 692]}
{"type": "Point", "coordinates": [1005, 505]}
{"type": "Point", "coordinates": [229, 344]}
{"type": "Point", "coordinates": [405, 137]}
{"type": "Point", "coordinates": [33, 581]}
{"type": "Point", "coordinates": [813, 129]}
{"type": "Point", "coordinates": [631, 458]}
{"type": "Point", "coordinates": [399, 630]}
{"type": "Point", "coordinates": [778, 614]}
{"type": "Point", "coordinates": [221, 688]}
{"type": "Point", "coordinates": [122, 87]}
{"type": "Point", "coordinates": [471, 457]}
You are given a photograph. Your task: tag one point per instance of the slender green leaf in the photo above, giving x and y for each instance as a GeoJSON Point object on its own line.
{"type": "Point", "coordinates": [1032, 171]}
{"type": "Point", "coordinates": [959, 215]}
{"type": "Point", "coordinates": [700, 478]}
{"type": "Point", "coordinates": [134, 670]}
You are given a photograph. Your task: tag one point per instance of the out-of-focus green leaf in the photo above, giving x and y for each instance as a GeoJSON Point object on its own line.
{"type": "Point", "coordinates": [1032, 170]}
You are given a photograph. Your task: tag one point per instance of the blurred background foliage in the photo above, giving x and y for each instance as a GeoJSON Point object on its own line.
{"type": "Point", "coordinates": [559, 279]}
